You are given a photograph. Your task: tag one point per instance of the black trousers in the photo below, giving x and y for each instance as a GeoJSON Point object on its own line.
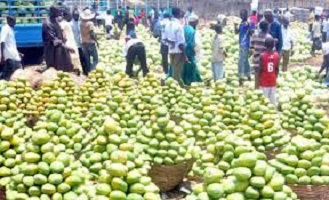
{"type": "Point", "coordinates": [164, 50]}
{"type": "Point", "coordinates": [9, 68]}
{"type": "Point", "coordinates": [83, 61]}
{"type": "Point", "coordinates": [108, 28]}
{"type": "Point", "coordinates": [324, 36]}
{"type": "Point", "coordinates": [138, 50]}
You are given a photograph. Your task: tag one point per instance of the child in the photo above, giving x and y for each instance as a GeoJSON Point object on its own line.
{"type": "Point", "coordinates": [218, 54]}
{"type": "Point", "coordinates": [269, 70]}
{"type": "Point", "coordinates": [325, 64]}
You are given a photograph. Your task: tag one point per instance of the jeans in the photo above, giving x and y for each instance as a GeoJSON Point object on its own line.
{"type": "Point", "coordinates": [90, 51]}
{"type": "Point", "coordinates": [269, 93]}
{"type": "Point", "coordinates": [164, 49]}
{"type": "Point", "coordinates": [9, 68]}
{"type": "Point", "coordinates": [138, 50]}
{"type": "Point", "coordinates": [83, 61]}
{"type": "Point", "coordinates": [217, 70]}
{"type": "Point", "coordinates": [285, 59]}
{"type": "Point", "coordinates": [244, 66]}
{"type": "Point", "coordinates": [177, 61]}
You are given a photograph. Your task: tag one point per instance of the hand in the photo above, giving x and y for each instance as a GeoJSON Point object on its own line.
{"type": "Point", "coordinates": [21, 55]}
{"type": "Point", "coordinates": [187, 59]}
{"type": "Point", "coordinates": [71, 50]}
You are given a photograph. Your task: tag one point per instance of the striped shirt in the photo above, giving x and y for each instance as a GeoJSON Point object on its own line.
{"type": "Point", "coordinates": [258, 45]}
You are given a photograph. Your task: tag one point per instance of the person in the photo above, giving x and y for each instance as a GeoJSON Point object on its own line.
{"type": "Point", "coordinates": [135, 48]}
{"type": "Point", "coordinates": [287, 47]}
{"type": "Point", "coordinates": [174, 36]}
{"type": "Point", "coordinates": [310, 20]}
{"type": "Point", "coordinates": [221, 20]}
{"type": "Point", "coordinates": [9, 55]}
{"type": "Point", "coordinates": [218, 54]}
{"type": "Point", "coordinates": [245, 30]}
{"type": "Point", "coordinates": [325, 27]}
{"type": "Point", "coordinates": [288, 14]}
{"type": "Point", "coordinates": [108, 23]}
{"type": "Point", "coordinates": [142, 16]}
{"type": "Point", "coordinates": [269, 70]}
{"type": "Point", "coordinates": [257, 46]}
{"type": "Point", "coordinates": [188, 13]}
{"type": "Point", "coordinates": [325, 63]}
{"type": "Point", "coordinates": [69, 40]}
{"type": "Point", "coordinates": [164, 49]}
{"type": "Point", "coordinates": [88, 38]}
{"type": "Point", "coordinates": [130, 26]}
{"type": "Point", "coordinates": [316, 35]}
{"type": "Point", "coordinates": [190, 71]}
{"type": "Point", "coordinates": [75, 25]}
{"type": "Point", "coordinates": [253, 17]}
{"type": "Point", "coordinates": [119, 18]}
{"type": "Point", "coordinates": [155, 21]}
{"type": "Point", "coordinates": [161, 13]}
{"type": "Point", "coordinates": [57, 54]}
{"type": "Point", "coordinates": [276, 14]}
{"type": "Point", "coordinates": [274, 29]}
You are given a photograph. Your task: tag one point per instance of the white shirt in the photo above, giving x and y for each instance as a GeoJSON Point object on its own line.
{"type": "Point", "coordinates": [76, 32]}
{"type": "Point", "coordinates": [175, 34]}
{"type": "Point", "coordinates": [129, 44]}
{"type": "Point", "coordinates": [108, 20]}
{"type": "Point", "coordinates": [286, 38]}
{"type": "Point", "coordinates": [8, 37]}
{"type": "Point", "coordinates": [164, 24]}
{"type": "Point", "coordinates": [325, 26]}
{"type": "Point", "coordinates": [316, 29]}
{"type": "Point", "coordinates": [325, 48]}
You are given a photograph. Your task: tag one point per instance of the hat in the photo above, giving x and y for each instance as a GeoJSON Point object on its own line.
{"type": "Point", "coordinates": [193, 18]}
{"type": "Point", "coordinates": [87, 14]}
{"type": "Point", "coordinates": [220, 17]}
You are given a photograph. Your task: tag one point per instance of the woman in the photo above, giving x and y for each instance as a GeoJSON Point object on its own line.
{"type": "Point", "coordinates": [57, 54]}
{"type": "Point", "coordinates": [190, 70]}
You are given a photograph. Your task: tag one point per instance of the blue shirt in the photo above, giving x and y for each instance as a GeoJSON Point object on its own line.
{"type": "Point", "coordinates": [244, 33]}
{"type": "Point", "coordinates": [276, 32]}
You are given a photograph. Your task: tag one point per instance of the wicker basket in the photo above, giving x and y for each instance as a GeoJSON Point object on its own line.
{"type": "Point", "coordinates": [168, 177]}
{"type": "Point", "coordinates": [2, 193]}
{"type": "Point", "coordinates": [310, 192]}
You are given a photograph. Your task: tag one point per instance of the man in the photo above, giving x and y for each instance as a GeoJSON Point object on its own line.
{"type": "Point", "coordinates": [244, 30]}
{"type": "Point", "coordinates": [218, 54]}
{"type": "Point", "coordinates": [310, 20]}
{"type": "Point", "coordinates": [57, 54]}
{"type": "Point", "coordinates": [108, 23]}
{"type": "Point", "coordinates": [253, 17]}
{"type": "Point", "coordinates": [325, 63]}
{"type": "Point", "coordinates": [135, 48]}
{"type": "Point", "coordinates": [258, 47]}
{"type": "Point", "coordinates": [288, 14]}
{"type": "Point", "coordinates": [75, 24]}
{"type": "Point", "coordinates": [9, 54]}
{"type": "Point", "coordinates": [69, 39]}
{"type": "Point", "coordinates": [274, 29]}
{"type": "Point", "coordinates": [276, 15]}
{"type": "Point", "coordinates": [316, 35]}
{"type": "Point", "coordinates": [287, 47]}
{"type": "Point", "coordinates": [119, 18]}
{"type": "Point", "coordinates": [164, 49]}
{"type": "Point", "coordinates": [325, 28]}
{"type": "Point", "coordinates": [174, 36]}
{"type": "Point", "coordinates": [88, 38]}
{"type": "Point", "coordinates": [188, 13]}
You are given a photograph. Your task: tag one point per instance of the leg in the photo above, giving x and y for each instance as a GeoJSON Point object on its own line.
{"type": "Point", "coordinates": [285, 60]}
{"type": "Point", "coordinates": [240, 64]}
{"type": "Point", "coordinates": [215, 70]}
{"type": "Point", "coordinates": [87, 57]}
{"type": "Point", "coordinates": [256, 76]}
{"type": "Point", "coordinates": [82, 61]}
{"type": "Point", "coordinates": [130, 61]}
{"type": "Point", "coordinates": [266, 92]}
{"type": "Point", "coordinates": [142, 58]}
{"type": "Point", "coordinates": [272, 95]}
{"type": "Point", "coordinates": [164, 54]}
{"type": "Point", "coordinates": [94, 55]}
{"type": "Point", "coordinates": [177, 67]}
{"type": "Point", "coordinates": [247, 64]}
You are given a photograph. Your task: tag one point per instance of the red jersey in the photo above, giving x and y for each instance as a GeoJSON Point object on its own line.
{"type": "Point", "coordinates": [270, 63]}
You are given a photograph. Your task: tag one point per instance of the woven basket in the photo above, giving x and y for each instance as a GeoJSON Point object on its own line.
{"type": "Point", "coordinates": [168, 177]}
{"type": "Point", "coordinates": [3, 193]}
{"type": "Point", "coordinates": [310, 192]}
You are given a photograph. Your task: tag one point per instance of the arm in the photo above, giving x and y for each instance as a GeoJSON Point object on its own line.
{"type": "Point", "coordinates": [2, 59]}
{"type": "Point", "coordinates": [280, 42]}
{"type": "Point", "coordinates": [236, 28]}
{"type": "Point", "coordinates": [277, 68]}
{"type": "Point", "coordinates": [260, 68]}
{"type": "Point", "coordinates": [92, 32]}
{"type": "Point", "coordinates": [3, 37]}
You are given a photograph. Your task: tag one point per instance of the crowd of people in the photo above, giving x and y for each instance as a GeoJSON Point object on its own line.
{"type": "Point", "coordinates": [70, 43]}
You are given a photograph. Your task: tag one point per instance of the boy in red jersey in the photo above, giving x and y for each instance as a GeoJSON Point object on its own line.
{"type": "Point", "coordinates": [269, 70]}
